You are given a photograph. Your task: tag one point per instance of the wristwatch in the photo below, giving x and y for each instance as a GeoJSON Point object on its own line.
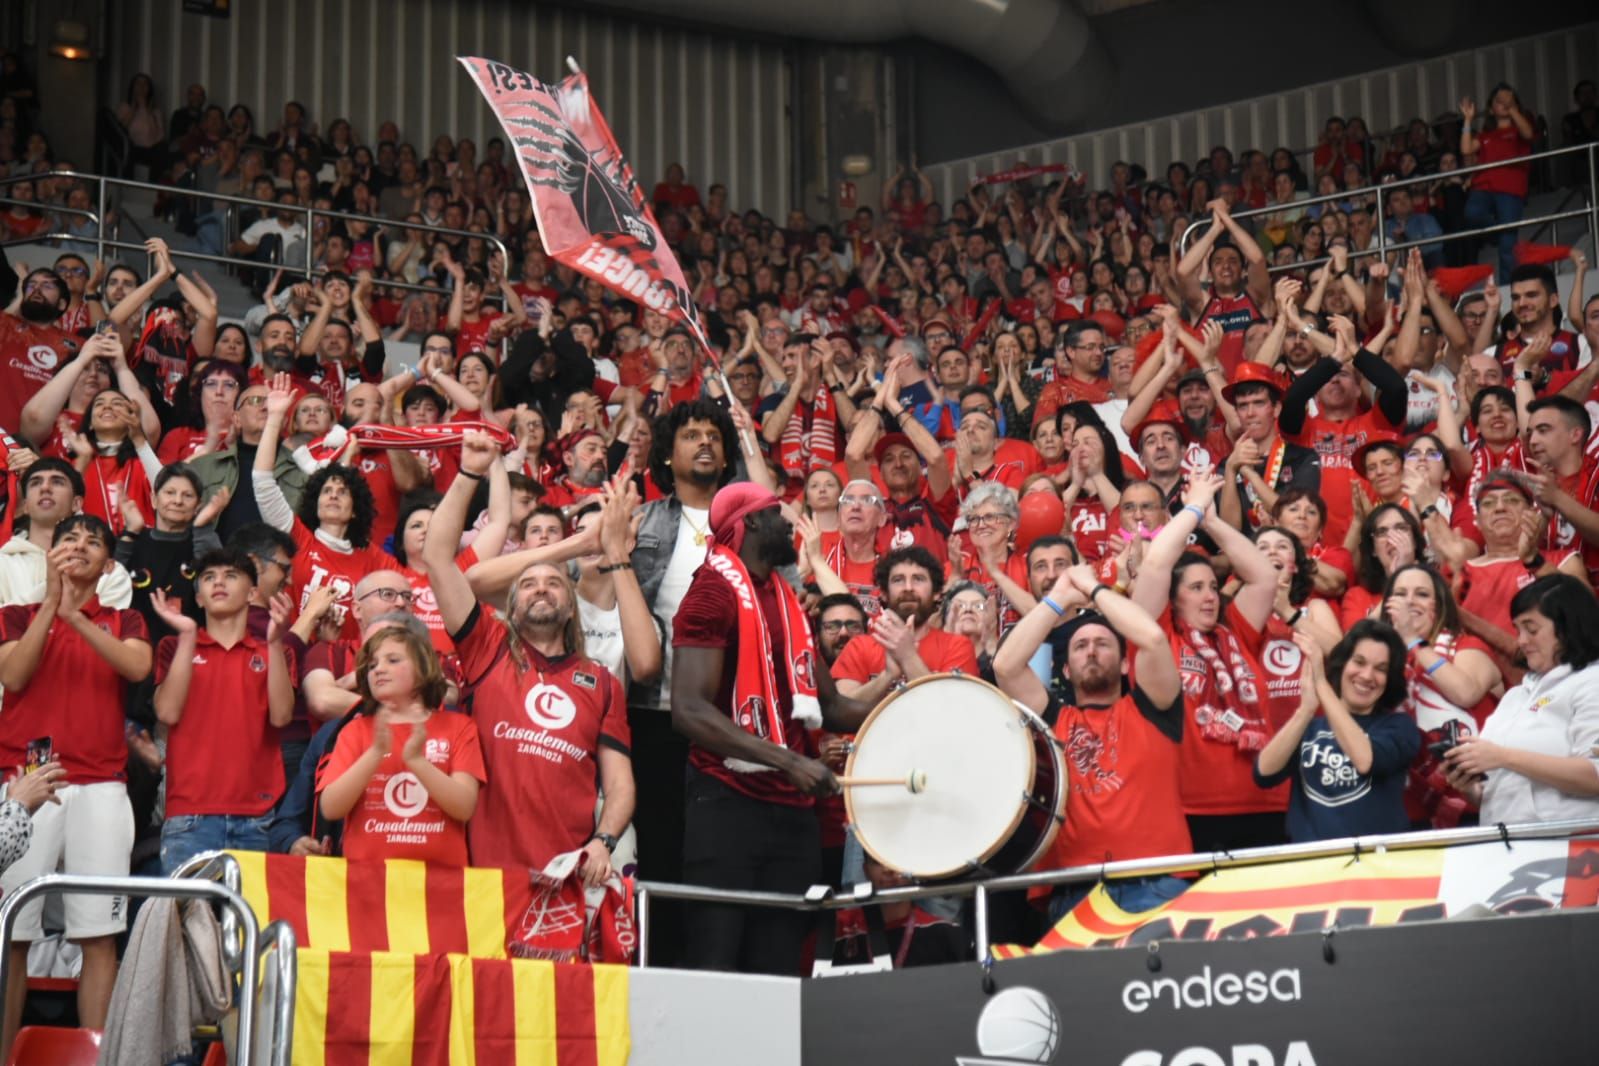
{"type": "Point", "coordinates": [607, 839]}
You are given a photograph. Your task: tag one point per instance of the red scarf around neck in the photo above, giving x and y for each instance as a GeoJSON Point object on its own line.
{"type": "Point", "coordinates": [805, 447]}
{"type": "Point", "coordinates": [755, 707]}
{"type": "Point", "coordinates": [1234, 713]}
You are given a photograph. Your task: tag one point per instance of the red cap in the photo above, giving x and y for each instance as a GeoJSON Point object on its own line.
{"type": "Point", "coordinates": [1163, 413]}
{"type": "Point", "coordinates": [937, 320]}
{"type": "Point", "coordinates": [857, 299]}
{"type": "Point", "coordinates": [1256, 374]}
{"type": "Point", "coordinates": [1452, 281]}
{"type": "Point", "coordinates": [889, 440]}
{"type": "Point", "coordinates": [1526, 252]}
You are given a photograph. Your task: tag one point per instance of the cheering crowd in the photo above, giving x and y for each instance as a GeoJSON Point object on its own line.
{"type": "Point", "coordinates": [1276, 559]}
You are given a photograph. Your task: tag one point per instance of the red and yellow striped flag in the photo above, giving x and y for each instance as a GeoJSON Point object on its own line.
{"type": "Point", "coordinates": [397, 905]}
{"type": "Point", "coordinates": [391, 1009]}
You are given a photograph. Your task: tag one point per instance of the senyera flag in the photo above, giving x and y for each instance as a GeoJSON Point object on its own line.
{"type": "Point", "coordinates": [591, 213]}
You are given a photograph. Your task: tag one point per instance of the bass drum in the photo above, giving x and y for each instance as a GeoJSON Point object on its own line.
{"type": "Point", "coordinates": [996, 784]}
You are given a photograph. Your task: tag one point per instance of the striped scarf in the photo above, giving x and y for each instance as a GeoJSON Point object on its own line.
{"type": "Point", "coordinates": [809, 442]}
{"type": "Point", "coordinates": [1233, 714]}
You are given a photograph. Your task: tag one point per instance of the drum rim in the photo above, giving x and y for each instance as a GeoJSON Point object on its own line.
{"type": "Point", "coordinates": [1021, 807]}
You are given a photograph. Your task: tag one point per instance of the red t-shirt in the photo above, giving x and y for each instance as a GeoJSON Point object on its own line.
{"type": "Point", "coordinates": [708, 618]}
{"type": "Point", "coordinates": [226, 711]}
{"type": "Point", "coordinates": [1279, 660]}
{"type": "Point", "coordinates": [1336, 443]}
{"type": "Point", "coordinates": [425, 605]}
{"type": "Point", "coordinates": [374, 466]}
{"type": "Point", "coordinates": [74, 697]}
{"type": "Point", "coordinates": [1065, 390]}
{"type": "Point", "coordinates": [1218, 778]}
{"type": "Point", "coordinates": [395, 817]}
{"type": "Point", "coordinates": [1496, 145]}
{"type": "Point", "coordinates": [30, 355]}
{"type": "Point", "coordinates": [1123, 799]}
{"type": "Point", "coordinates": [1236, 314]}
{"type": "Point", "coordinates": [542, 731]}
{"type": "Point", "coordinates": [863, 658]}
{"type": "Point", "coordinates": [316, 564]}
{"type": "Point", "coordinates": [1492, 583]}
{"type": "Point", "coordinates": [474, 336]}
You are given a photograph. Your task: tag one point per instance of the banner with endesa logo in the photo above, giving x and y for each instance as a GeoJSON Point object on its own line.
{"type": "Point", "coordinates": [1494, 991]}
{"type": "Point", "coordinates": [1384, 888]}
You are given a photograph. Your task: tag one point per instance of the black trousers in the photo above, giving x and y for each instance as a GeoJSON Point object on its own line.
{"type": "Point", "coordinates": [1234, 832]}
{"type": "Point", "coordinates": [660, 758]}
{"type": "Point", "coordinates": [733, 841]}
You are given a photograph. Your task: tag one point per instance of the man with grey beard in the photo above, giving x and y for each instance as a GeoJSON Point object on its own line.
{"type": "Point", "coordinates": [547, 715]}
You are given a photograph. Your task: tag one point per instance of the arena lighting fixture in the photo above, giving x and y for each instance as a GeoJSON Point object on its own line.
{"type": "Point", "coordinates": [70, 40]}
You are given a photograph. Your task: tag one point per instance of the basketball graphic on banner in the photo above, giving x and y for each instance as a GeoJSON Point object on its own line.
{"type": "Point", "coordinates": [1019, 1025]}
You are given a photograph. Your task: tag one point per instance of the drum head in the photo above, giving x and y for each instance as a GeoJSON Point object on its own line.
{"type": "Point", "coordinates": [976, 750]}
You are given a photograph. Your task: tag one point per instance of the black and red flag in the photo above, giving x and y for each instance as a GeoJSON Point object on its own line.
{"type": "Point", "coordinates": [591, 212]}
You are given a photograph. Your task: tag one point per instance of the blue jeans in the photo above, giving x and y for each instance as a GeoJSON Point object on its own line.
{"type": "Point", "coordinates": [187, 835]}
{"type": "Point", "coordinates": [1133, 894]}
{"type": "Point", "coordinates": [1492, 209]}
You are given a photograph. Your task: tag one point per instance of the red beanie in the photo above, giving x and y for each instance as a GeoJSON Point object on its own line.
{"type": "Point", "coordinates": [731, 504]}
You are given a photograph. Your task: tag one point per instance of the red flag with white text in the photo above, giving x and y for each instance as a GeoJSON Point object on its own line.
{"type": "Point", "coordinates": [591, 212]}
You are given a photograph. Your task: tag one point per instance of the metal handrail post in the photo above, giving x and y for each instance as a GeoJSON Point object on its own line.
{"type": "Point", "coordinates": [980, 922]}
{"type": "Point", "coordinates": [1593, 196]}
{"type": "Point", "coordinates": [278, 937]}
{"type": "Point", "coordinates": [310, 241]}
{"type": "Point", "coordinates": [641, 903]}
{"type": "Point", "coordinates": [99, 229]}
{"type": "Point", "coordinates": [219, 865]}
{"type": "Point", "coordinates": [162, 887]}
{"type": "Point", "coordinates": [1382, 228]}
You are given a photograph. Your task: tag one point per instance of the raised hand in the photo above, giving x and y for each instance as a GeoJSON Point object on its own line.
{"type": "Point", "coordinates": [170, 610]}
{"type": "Point", "coordinates": [214, 507]}
{"type": "Point", "coordinates": [280, 396]}
{"type": "Point", "coordinates": [1468, 109]}
{"type": "Point", "coordinates": [478, 452]}
{"type": "Point", "coordinates": [281, 609]}
{"type": "Point", "coordinates": [132, 517]}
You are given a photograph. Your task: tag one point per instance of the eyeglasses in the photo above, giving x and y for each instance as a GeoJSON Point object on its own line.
{"type": "Point", "coordinates": [405, 596]}
{"type": "Point", "coordinates": [252, 401]}
{"type": "Point", "coordinates": [281, 564]}
{"type": "Point", "coordinates": [1430, 455]}
{"type": "Point", "coordinates": [220, 385]}
{"type": "Point", "coordinates": [980, 521]}
{"type": "Point", "coordinates": [73, 272]}
{"type": "Point", "coordinates": [860, 501]}
{"type": "Point", "coordinates": [41, 283]}
{"type": "Point", "coordinates": [838, 625]}
{"type": "Point", "coordinates": [1087, 347]}
{"type": "Point", "coordinates": [970, 606]}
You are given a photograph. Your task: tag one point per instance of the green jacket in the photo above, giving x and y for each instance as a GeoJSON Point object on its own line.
{"type": "Point", "coordinates": [219, 470]}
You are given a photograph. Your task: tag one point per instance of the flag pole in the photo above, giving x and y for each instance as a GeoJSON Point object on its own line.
{"type": "Point", "coordinates": [706, 351]}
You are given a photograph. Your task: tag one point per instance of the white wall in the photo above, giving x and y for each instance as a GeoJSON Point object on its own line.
{"type": "Point", "coordinates": [718, 105]}
{"type": "Point", "coordinates": [681, 1017]}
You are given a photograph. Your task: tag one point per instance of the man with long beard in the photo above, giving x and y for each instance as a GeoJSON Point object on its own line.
{"type": "Point", "coordinates": [32, 346]}
{"type": "Point", "coordinates": [553, 722]}
{"type": "Point", "coordinates": [747, 689]}
{"type": "Point", "coordinates": [902, 643]}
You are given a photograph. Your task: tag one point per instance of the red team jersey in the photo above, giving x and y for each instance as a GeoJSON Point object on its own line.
{"type": "Point", "coordinates": [316, 564]}
{"type": "Point", "coordinates": [1236, 314]}
{"type": "Point", "coordinates": [395, 817]}
{"type": "Point", "coordinates": [542, 729]}
{"type": "Point", "coordinates": [30, 355]}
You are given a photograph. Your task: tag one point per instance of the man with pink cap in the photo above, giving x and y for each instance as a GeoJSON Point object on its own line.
{"type": "Point", "coordinates": [747, 690]}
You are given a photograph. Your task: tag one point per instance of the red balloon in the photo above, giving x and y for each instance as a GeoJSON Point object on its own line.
{"type": "Point", "coordinates": [1042, 515]}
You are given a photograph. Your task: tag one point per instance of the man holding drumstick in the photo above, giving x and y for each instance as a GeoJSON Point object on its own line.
{"type": "Point", "coordinates": [747, 686]}
{"type": "Point", "coordinates": [1123, 800]}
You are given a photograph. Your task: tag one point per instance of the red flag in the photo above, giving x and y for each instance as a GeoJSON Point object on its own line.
{"type": "Point", "coordinates": [1452, 281]}
{"type": "Point", "coordinates": [1527, 252]}
{"type": "Point", "coordinates": [592, 215]}
{"type": "Point", "coordinates": [1025, 171]}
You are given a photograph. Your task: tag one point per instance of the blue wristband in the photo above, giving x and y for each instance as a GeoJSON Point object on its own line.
{"type": "Point", "coordinates": [1052, 605]}
{"type": "Point", "coordinates": [1197, 512]}
{"type": "Point", "coordinates": [1434, 668]}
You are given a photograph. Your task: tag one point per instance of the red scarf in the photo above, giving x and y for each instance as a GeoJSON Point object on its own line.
{"type": "Point", "coordinates": [106, 483]}
{"type": "Point", "coordinates": [803, 447]}
{"type": "Point", "coordinates": [1234, 714]}
{"type": "Point", "coordinates": [324, 450]}
{"type": "Point", "coordinates": [755, 682]}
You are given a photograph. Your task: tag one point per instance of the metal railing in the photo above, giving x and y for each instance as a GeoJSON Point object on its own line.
{"type": "Point", "coordinates": [822, 898]}
{"type": "Point", "coordinates": [104, 184]}
{"type": "Point", "coordinates": [1382, 246]}
{"type": "Point", "coordinates": [156, 887]}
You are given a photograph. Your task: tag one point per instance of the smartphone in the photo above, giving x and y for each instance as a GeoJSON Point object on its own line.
{"type": "Point", "coordinates": [105, 326]}
{"type": "Point", "coordinates": [40, 751]}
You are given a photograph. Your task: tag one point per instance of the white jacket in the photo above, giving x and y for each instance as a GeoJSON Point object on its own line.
{"type": "Point", "coordinates": [1552, 714]}
{"type": "Point", "coordinates": [22, 577]}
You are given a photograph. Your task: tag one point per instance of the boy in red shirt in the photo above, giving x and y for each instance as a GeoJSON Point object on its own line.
{"type": "Point", "coordinates": [66, 664]}
{"type": "Point", "coordinates": [221, 689]}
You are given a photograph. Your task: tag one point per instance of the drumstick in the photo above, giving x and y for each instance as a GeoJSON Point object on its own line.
{"type": "Point", "coordinates": [915, 781]}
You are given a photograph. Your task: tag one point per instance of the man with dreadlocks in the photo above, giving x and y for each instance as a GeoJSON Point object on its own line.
{"type": "Point", "coordinates": [545, 713]}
